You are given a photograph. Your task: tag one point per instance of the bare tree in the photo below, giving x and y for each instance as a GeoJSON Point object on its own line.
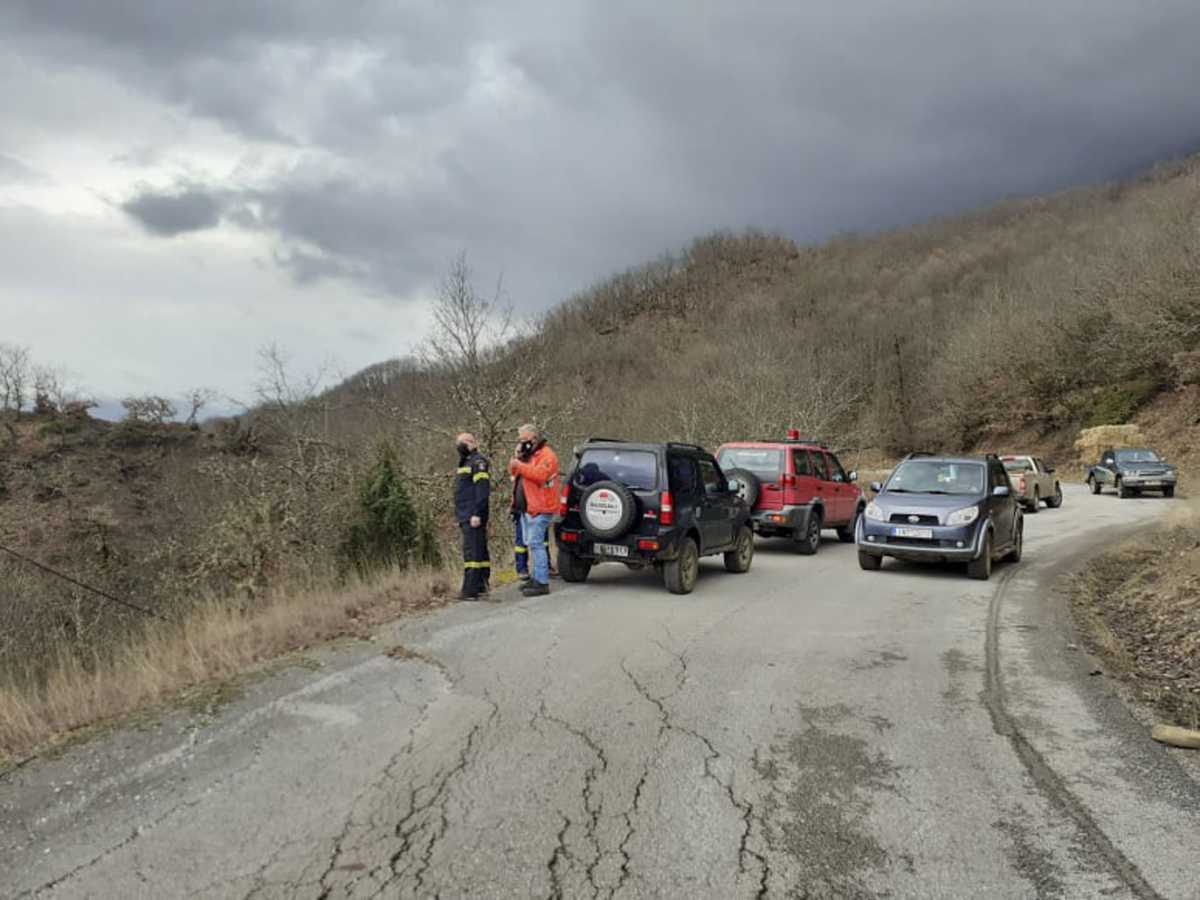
{"type": "Point", "coordinates": [55, 391]}
{"type": "Point", "coordinates": [197, 400]}
{"type": "Point", "coordinates": [15, 375]}
{"type": "Point", "coordinates": [490, 366]}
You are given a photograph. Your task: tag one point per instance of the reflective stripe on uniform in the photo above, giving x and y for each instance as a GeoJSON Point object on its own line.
{"type": "Point", "coordinates": [464, 470]}
{"type": "Point", "coordinates": [479, 476]}
{"type": "Point", "coordinates": [477, 565]}
{"type": "Point", "coordinates": [520, 549]}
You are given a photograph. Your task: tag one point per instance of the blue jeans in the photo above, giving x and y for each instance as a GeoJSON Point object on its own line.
{"type": "Point", "coordinates": [535, 530]}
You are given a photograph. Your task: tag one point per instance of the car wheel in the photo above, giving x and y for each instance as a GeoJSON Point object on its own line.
{"type": "Point", "coordinates": [809, 542]}
{"type": "Point", "coordinates": [1122, 491]}
{"type": "Point", "coordinates": [846, 532]}
{"type": "Point", "coordinates": [1169, 491]}
{"type": "Point", "coordinates": [1093, 485]}
{"type": "Point", "coordinates": [572, 568]}
{"type": "Point", "coordinates": [869, 561]}
{"type": "Point", "coordinates": [1014, 555]}
{"type": "Point", "coordinates": [748, 485]}
{"type": "Point", "coordinates": [1037, 501]}
{"type": "Point", "coordinates": [1056, 501]}
{"type": "Point", "coordinates": [680, 574]}
{"type": "Point", "coordinates": [981, 568]}
{"type": "Point", "coordinates": [739, 558]}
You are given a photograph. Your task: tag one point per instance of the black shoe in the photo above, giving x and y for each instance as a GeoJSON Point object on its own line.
{"type": "Point", "coordinates": [535, 589]}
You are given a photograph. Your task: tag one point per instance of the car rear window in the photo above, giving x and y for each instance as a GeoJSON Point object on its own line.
{"type": "Point", "coordinates": [637, 469]}
{"type": "Point", "coordinates": [1018, 465]}
{"type": "Point", "coordinates": [762, 461]}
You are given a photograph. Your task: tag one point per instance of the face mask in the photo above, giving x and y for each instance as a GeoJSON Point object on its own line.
{"type": "Point", "coordinates": [463, 449]}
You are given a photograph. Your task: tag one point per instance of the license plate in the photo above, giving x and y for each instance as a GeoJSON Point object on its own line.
{"type": "Point", "coordinates": [925, 533]}
{"type": "Point", "coordinates": [611, 549]}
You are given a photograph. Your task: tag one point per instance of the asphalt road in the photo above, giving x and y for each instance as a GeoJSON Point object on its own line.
{"type": "Point", "coordinates": [805, 730]}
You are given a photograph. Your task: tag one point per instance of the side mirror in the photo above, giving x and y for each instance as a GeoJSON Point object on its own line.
{"type": "Point", "coordinates": [1000, 490]}
{"type": "Point", "coordinates": [853, 476]}
{"type": "Point", "coordinates": [876, 486]}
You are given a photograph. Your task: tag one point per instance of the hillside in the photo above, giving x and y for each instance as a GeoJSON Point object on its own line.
{"type": "Point", "coordinates": [1012, 326]}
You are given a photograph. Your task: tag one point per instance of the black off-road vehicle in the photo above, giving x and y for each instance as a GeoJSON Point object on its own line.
{"type": "Point", "coordinates": [661, 505]}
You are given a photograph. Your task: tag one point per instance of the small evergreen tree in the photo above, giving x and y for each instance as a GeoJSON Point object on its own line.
{"type": "Point", "coordinates": [389, 531]}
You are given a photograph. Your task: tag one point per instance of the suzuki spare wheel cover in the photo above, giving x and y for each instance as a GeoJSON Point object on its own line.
{"type": "Point", "coordinates": [604, 509]}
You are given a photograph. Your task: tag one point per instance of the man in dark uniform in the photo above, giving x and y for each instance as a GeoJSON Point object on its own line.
{"type": "Point", "coordinates": [472, 488]}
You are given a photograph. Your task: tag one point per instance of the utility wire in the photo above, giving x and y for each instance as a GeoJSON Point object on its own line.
{"type": "Point", "coordinates": [86, 587]}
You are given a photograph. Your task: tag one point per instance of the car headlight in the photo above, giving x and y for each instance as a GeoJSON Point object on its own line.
{"type": "Point", "coordinates": [873, 512]}
{"type": "Point", "coordinates": [964, 516]}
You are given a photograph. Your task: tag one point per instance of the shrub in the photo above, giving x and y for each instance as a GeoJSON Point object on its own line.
{"type": "Point", "coordinates": [389, 531]}
{"type": "Point", "coordinates": [1117, 404]}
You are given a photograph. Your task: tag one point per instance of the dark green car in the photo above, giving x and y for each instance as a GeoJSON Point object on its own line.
{"type": "Point", "coordinates": [1131, 471]}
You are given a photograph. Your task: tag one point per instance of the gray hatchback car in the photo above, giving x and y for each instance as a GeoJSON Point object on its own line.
{"type": "Point", "coordinates": [943, 509]}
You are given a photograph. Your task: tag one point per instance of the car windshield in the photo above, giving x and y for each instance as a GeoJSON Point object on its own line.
{"type": "Point", "coordinates": [762, 461]}
{"type": "Point", "coordinates": [637, 469]}
{"type": "Point", "coordinates": [1137, 456]}
{"type": "Point", "coordinates": [930, 477]}
{"type": "Point", "coordinates": [1018, 464]}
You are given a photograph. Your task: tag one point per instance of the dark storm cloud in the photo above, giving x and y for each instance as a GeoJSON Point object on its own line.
{"type": "Point", "coordinates": [170, 213]}
{"type": "Point", "coordinates": [558, 141]}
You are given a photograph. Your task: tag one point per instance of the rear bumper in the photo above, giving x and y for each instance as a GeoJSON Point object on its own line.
{"type": "Point", "coordinates": [786, 518]}
{"type": "Point", "coordinates": [960, 543]}
{"type": "Point", "coordinates": [583, 545]}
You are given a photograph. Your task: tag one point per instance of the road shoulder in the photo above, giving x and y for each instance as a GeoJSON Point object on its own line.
{"type": "Point", "coordinates": [1128, 794]}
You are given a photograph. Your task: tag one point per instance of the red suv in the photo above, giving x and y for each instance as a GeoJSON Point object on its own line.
{"type": "Point", "coordinates": [795, 488]}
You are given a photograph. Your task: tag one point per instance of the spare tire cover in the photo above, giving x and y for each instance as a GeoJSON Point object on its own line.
{"type": "Point", "coordinates": [749, 486]}
{"type": "Point", "coordinates": [607, 509]}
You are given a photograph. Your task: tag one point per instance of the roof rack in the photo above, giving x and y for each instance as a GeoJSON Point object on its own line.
{"type": "Point", "coordinates": [682, 446]}
{"type": "Point", "coordinates": [606, 440]}
{"type": "Point", "coordinates": [918, 454]}
{"type": "Point", "coordinates": [815, 442]}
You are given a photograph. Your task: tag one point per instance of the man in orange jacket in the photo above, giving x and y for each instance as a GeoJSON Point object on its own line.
{"type": "Point", "coordinates": [535, 495]}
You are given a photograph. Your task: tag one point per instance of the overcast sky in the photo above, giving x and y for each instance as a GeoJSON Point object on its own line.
{"type": "Point", "coordinates": [181, 182]}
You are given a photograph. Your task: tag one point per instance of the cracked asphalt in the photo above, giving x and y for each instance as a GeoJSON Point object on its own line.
{"type": "Point", "coordinates": [806, 730]}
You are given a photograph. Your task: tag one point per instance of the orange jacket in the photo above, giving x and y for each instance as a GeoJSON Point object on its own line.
{"type": "Point", "coordinates": [539, 477]}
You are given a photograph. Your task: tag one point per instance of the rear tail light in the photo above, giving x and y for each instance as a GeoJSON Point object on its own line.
{"type": "Point", "coordinates": [569, 537]}
{"type": "Point", "coordinates": [562, 500]}
{"type": "Point", "coordinates": [647, 544]}
{"type": "Point", "coordinates": [666, 510]}
{"type": "Point", "coordinates": [787, 479]}
{"type": "Point", "coordinates": [1021, 484]}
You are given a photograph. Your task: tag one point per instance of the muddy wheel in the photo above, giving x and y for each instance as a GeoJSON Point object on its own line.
{"type": "Point", "coordinates": [681, 573]}
{"type": "Point", "coordinates": [869, 562]}
{"type": "Point", "coordinates": [739, 558]}
{"type": "Point", "coordinates": [846, 532]}
{"type": "Point", "coordinates": [1056, 501]}
{"type": "Point", "coordinates": [1122, 491]}
{"type": "Point", "coordinates": [1093, 485]}
{"type": "Point", "coordinates": [1169, 491]}
{"type": "Point", "coordinates": [572, 568]}
{"type": "Point", "coordinates": [808, 541]}
{"type": "Point", "coordinates": [981, 569]}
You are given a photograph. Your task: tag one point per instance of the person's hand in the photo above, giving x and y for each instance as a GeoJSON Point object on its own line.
{"type": "Point", "coordinates": [476, 521]}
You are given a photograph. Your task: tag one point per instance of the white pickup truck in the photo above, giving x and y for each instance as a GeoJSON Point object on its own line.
{"type": "Point", "coordinates": [1033, 481]}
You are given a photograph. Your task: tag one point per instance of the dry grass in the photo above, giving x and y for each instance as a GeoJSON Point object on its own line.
{"type": "Point", "coordinates": [1139, 607]}
{"type": "Point", "coordinates": [215, 642]}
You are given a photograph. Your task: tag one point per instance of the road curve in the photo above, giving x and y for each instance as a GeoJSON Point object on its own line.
{"type": "Point", "coordinates": [805, 730]}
